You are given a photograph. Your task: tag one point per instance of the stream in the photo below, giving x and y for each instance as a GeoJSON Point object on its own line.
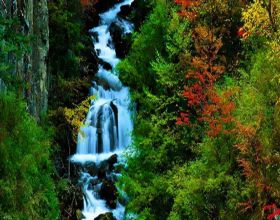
{"type": "Point", "coordinates": [108, 126]}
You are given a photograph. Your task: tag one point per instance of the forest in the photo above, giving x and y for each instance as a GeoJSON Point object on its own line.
{"type": "Point", "coordinates": [140, 109]}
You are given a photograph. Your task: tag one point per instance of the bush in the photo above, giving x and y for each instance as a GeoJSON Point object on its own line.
{"type": "Point", "coordinates": [27, 189]}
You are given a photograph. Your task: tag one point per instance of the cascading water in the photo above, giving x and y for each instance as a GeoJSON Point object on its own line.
{"type": "Point", "coordinates": [108, 125]}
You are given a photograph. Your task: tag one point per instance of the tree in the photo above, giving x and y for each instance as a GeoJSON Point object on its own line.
{"type": "Point", "coordinates": [203, 101]}
{"type": "Point", "coordinates": [262, 19]}
{"type": "Point", "coordinates": [27, 189]}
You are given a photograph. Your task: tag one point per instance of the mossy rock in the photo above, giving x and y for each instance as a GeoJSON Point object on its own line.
{"type": "Point", "coordinates": [106, 216]}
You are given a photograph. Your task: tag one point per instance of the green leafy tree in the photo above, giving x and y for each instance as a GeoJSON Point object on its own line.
{"type": "Point", "coordinates": [155, 69]}
{"type": "Point", "coordinates": [12, 45]}
{"type": "Point", "coordinates": [27, 189]}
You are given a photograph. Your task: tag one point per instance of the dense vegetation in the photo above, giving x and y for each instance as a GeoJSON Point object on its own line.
{"type": "Point", "coordinates": [70, 50]}
{"type": "Point", "coordinates": [34, 170]}
{"type": "Point", "coordinates": [12, 46]}
{"type": "Point", "coordinates": [27, 189]}
{"type": "Point", "coordinates": [43, 189]}
{"type": "Point", "coordinates": [204, 75]}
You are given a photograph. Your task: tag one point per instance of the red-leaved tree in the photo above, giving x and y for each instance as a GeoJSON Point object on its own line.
{"type": "Point", "coordinates": [204, 103]}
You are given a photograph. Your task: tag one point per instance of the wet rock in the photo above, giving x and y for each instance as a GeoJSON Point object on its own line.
{"type": "Point", "coordinates": [102, 83]}
{"type": "Point", "coordinates": [94, 36]}
{"type": "Point", "coordinates": [120, 40]}
{"type": "Point", "coordinates": [109, 193]}
{"type": "Point", "coordinates": [105, 65]}
{"type": "Point", "coordinates": [116, 32]}
{"type": "Point", "coordinates": [106, 167]}
{"type": "Point", "coordinates": [125, 11]}
{"type": "Point", "coordinates": [93, 182]}
{"type": "Point", "coordinates": [139, 13]}
{"type": "Point", "coordinates": [112, 161]}
{"type": "Point", "coordinates": [92, 11]}
{"type": "Point", "coordinates": [102, 6]}
{"type": "Point", "coordinates": [106, 216]}
{"type": "Point", "coordinates": [91, 17]}
{"type": "Point", "coordinates": [114, 177]}
{"type": "Point", "coordinates": [91, 168]}
{"type": "Point", "coordinates": [91, 63]}
{"type": "Point", "coordinates": [102, 172]}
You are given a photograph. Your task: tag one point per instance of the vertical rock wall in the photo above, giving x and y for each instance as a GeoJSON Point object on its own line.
{"type": "Point", "coordinates": [2, 86]}
{"type": "Point", "coordinates": [32, 66]}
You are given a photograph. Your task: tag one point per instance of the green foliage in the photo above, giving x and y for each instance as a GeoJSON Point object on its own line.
{"type": "Point", "coordinates": [27, 189]}
{"type": "Point", "coordinates": [258, 107]}
{"type": "Point", "coordinates": [155, 69]}
{"type": "Point", "coordinates": [12, 45]}
{"type": "Point", "coordinates": [209, 187]}
{"type": "Point", "coordinates": [66, 39]}
{"type": "Point", "coordinates": [180, 172]}
{"type": "Point", "coordinates": [136, 69]}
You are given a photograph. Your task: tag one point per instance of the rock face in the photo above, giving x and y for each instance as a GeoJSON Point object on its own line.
{"type": "Point", "coordinates": [125, 11]}
{"type": "Point", "coordinates": [32, 66]}
{"type": "Point", "coordinates": [118, 39]}
{"type": "Point", "coordinates": [109, 193]}
{"type": "Point", "coordinates": [2, 86]}
{"type": "Point", "coordinates": [106, 216]}
{"type": "Point", "coordinates": [94, 8]}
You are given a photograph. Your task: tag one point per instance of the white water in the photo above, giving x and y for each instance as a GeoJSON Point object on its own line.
{"type": "Point", "coordinates": [108, 125]}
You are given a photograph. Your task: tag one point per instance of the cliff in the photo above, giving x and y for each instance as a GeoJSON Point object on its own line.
{"type": "Point", "coordinates": [31, 67]}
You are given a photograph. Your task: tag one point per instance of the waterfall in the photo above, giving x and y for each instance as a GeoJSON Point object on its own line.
{"type": "Point", "coordinates": [108, 125]}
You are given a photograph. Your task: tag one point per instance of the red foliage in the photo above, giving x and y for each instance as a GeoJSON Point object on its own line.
{"type": "Point", "coordinates": [274, 214]}
{"type": "Point", "coordinates": [251, 154]}
{"type": "Point", "coordinates": [254, 163]}
{"type": "Point", "coordinates": [246, 206]}
{"type": "Point", "coordinates": [184, 119]}
{"type": "Point", "coordinates": [203, 101]}
{"type": "Point", "coordinates": [85, 2]}
{"type": "Point", "coordinates": [187, 3]}
{"type": "Point", "coordinates": [188, 8]}
{"type": "Point", "coordinates": [269, 207]}
{"type": "Point", "coordinates": [242, 33]}
{"type": "Point", "coordinates": [275, 211]}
